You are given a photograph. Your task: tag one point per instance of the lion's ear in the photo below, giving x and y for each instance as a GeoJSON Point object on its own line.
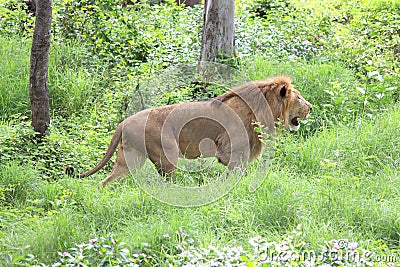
{"type": "Point", "coordinates": [284, 91]}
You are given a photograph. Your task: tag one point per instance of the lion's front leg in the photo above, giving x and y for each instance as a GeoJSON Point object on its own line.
{"type": "Point", "coordinates": [167, 171]}
{"type": "Point", "coordinates": [238, 161]}
{"type": "Point", "coordinates": [232, 156]}
{"type": "Point", "coordinates": [165, 159]}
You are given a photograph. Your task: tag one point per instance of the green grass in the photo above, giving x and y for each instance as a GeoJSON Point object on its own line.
{"type": "Point", "coordinates": [14, 94]}
{"type": "Point", "coordinates": [71, 86]}
{"type": "Point", "coordinates": [331, 185]}
{"type": "Point", "coordinates": [337, 178]}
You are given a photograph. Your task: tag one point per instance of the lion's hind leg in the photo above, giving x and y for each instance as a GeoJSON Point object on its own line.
{"type": "Point", "coordinates": [126, 161]}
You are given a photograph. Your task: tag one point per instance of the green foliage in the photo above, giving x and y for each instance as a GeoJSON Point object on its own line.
{"type": "Point", "coordinates": [15, 18]}
{"type": "Point", "coordinates": [288, 252]}
{"type": "Point", "coordinates": [337, 177]}
{"type": "Point", "coordinates": [14, 67]}
{"type": "Point", "coordinates": [121, 35]}
{"type": "Point", "coordinates": [375, 152]}
{"type": "Point", "coordinates": [117, 52]}
{"type": "Point", "coordinates": [16, 184]}
{"type": "Point", "coordinates": [61, 147]}
{"type": "Point", "coordinates": [108, 251]}
{"type": "Point", "coordinates": [71, 86]}
{"type": "Point", "coordinates": [266, 8]}
{"type": "Point", "coordinates": [101, 252]}
{"type": "Point", "coordinates": [336, 94]}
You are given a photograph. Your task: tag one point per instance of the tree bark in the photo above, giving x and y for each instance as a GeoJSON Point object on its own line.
{"type": "Point", "coordinates": [38, 86]}
{"type": "Point", "coordinates": [217, 42]}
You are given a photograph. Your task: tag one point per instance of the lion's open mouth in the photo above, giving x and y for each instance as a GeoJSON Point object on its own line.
{"type": "Point", "coordinates": [295, 121]}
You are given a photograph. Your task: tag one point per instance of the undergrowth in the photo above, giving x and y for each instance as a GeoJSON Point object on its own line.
{"type": "Point", "coordinates": [332, 187]}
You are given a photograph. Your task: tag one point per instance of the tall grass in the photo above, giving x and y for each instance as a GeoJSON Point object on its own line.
{"type": "Point", "coordinates": [14, 78]}
{"type": "Point", "coordinates": [337, 178]}
{"type": "Point", "coordinates": [71, 85]}
{"type": "Point", "coordinates": [336, 182]}
{"type": "Point", "coordinates": [335, 185]}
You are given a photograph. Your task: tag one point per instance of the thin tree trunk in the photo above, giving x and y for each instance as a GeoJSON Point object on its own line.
{"type": "Point", "coordinates": [218, 30]}
{"type": "Point", "coordinates": [38, 87]}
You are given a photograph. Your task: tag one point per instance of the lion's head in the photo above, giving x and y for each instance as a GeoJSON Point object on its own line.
{"type": "Point", "coordinates": [286, 103]}
{"type": "Point", "coordinates": [298, 108]}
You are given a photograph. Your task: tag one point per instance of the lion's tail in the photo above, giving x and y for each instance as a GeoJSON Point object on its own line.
{"type": "Point", "coordinates": [110, 151]}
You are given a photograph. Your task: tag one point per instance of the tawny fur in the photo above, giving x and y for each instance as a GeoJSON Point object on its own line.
{"type": "Point", "coordinates": [152, 133]}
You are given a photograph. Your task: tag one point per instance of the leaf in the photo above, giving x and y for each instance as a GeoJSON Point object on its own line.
{"type": "Point", "coordinates": [380, 78]}
{"type": "Point", "coordinates": [372, 73]}
{"type": "Point", "coordinates": [391, 88]}
{"type": "Point", "coordinates": [329, 92]}
{"type": "Point", "coordinates": [369, 68]}
{"type": "Point", "coordinates": [16, 259]}
{"type": "Point", "coordinates": [361, 90]}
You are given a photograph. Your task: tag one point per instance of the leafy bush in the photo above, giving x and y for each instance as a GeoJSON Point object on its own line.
{"type": "Point", "coordinates": [15, 18]}
{"type": "Point", "coordinates": [113, 252]}
{"type": "Point", "coordinates": [128, 34]}
{"type": "Point", "coordinates": [285, 253]}
{"type": "Point", "coordinates": [118, 50]}
{"type": "Point", "coordinates": [101, 252]}
{"type": "Point", "coordinates": [337, 182]}
{"type": "Point", "coordinates": [56, 150]}
{"type": "Point", "coordinates": [266, 8]}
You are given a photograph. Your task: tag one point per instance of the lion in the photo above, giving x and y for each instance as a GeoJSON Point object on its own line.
{"type": "Point", "coordinates": [223, 127]}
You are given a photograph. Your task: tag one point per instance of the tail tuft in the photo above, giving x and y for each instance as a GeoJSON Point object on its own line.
{"type": "Point", "coordinates": [70, 170]}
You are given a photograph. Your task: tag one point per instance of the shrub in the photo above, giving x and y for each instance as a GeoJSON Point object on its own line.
{"type": "Point", "coordinates": [128, 34]}
{"type": "Point", "coordinates": [15, 18]}
{"type": "Point", "coordinates": [113, 252]}
{"type": "Point", "coordinates": [264, 8]}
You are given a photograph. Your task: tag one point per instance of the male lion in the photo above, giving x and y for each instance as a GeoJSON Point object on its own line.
{"type": "Point", "coordinates": [222, 127]}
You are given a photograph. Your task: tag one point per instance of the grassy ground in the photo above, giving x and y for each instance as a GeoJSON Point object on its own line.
{"type": "Point", "coordinates": [342, 183]}
{"type": "Point", "coordinates": [336, 179]}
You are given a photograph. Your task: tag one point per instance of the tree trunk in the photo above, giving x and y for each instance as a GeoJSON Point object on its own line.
{"type": "Point", "coordinates": [217, 42]}
{"type": "Point", "coordinates": [38, 88]}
